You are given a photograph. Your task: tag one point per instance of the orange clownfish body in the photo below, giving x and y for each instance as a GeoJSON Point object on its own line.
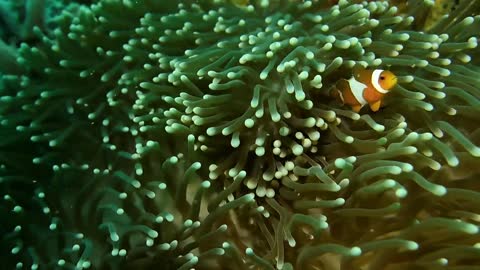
{"type": "Point", "coordinates": [365, 87]}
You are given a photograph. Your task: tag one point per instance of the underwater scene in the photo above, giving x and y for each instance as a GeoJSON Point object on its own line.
{"type": "Point", "coordinates": [240, 134]}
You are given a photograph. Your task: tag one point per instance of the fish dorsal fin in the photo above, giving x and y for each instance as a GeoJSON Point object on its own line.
{"type": "Point", "coordinates": [357, 70]}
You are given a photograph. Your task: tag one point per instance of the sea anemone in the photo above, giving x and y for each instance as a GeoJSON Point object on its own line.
{"type": "Point", "coordinates": [202, 134]}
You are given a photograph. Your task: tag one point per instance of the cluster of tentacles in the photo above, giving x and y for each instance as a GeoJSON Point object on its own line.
{"type": "Point", "coordinates": [201, 134]}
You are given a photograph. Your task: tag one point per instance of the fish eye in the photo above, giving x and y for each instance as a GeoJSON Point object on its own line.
{"type": "Point", "coordinates": [382, 77]}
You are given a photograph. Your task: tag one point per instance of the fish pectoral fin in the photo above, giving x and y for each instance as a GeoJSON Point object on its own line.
{"type": "Point", "coordinates": [356, 108]}
{"type": "Point", "coordinates": [376, 105]}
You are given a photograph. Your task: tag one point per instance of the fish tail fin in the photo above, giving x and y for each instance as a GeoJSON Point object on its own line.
{"type": "Point", "coordinates": [336, 91]}
{"type": "Point", "coordinates": [333, 92]}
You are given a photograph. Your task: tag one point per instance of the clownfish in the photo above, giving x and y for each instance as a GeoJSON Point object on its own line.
{"type": "Point", "coordinates": [366, 86]}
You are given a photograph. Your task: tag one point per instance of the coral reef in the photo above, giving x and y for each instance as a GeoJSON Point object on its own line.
{"type": "Point", "coordinates": [201, 134]}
